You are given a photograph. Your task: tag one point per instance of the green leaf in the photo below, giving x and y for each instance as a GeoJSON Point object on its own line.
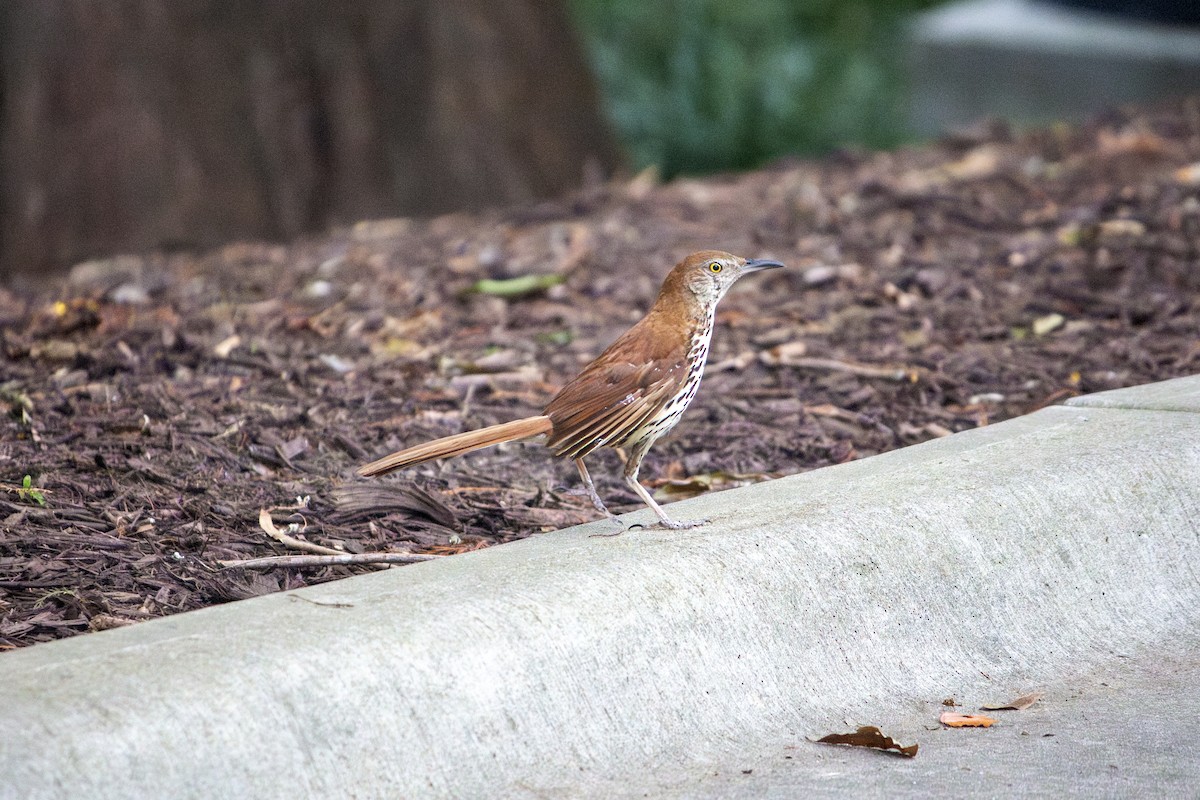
{"type": "Point", "coordinates": [26, 491]}
{"type": "Point", "coordinates": [555, 337]}
{"type": "Point", "coordinates": [517, 287]}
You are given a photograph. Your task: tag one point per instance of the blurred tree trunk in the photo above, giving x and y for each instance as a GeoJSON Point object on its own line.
{"type": "Point", "coordinates": [133, 124]}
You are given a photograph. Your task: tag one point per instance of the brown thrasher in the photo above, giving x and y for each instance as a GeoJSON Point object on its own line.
{"type": "Point", "coordinates": [632, 394]}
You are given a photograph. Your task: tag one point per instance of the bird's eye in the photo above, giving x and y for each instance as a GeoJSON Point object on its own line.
{"type": "Point", "coordinates": [714, 266]}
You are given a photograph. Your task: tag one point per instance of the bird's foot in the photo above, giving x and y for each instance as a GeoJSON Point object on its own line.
{"type": "Point", "coordinates": [673, 524]}
{"type": "Point", "coordinates": [590, 493]}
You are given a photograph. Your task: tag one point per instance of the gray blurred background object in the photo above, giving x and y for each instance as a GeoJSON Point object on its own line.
{"type": "Point", "coordinates": [1033, 63]}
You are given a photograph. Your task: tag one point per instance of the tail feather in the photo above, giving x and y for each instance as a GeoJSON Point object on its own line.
{"type": "Point", "coordinates": [458, 444]}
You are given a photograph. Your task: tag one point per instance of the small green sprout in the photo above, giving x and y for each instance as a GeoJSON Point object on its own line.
{"type": "Point", "coordinates": [27, 491]}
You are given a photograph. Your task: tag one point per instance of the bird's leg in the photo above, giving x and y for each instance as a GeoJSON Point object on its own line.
{"type": "Point", "coordinates": [594, 496]}
{"type": "Point", "coordinates": [631, 477]}
{"type": "Point", "coordinates": [590, 488]}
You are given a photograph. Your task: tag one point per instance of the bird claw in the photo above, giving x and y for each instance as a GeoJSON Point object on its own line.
{"type": "Point", "coordinates": [671, 524]}
{"type": "Point", "coordinates": [676, 525]}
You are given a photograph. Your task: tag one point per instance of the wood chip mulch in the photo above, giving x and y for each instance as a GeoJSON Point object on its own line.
{"type": "Point", "coordinates": [159, 402]}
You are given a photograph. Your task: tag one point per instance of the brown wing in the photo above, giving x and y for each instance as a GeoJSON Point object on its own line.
{"type": "Point", "coordinates": [618, 392]}
{"type": "Point", "coordinates": [603, 407]}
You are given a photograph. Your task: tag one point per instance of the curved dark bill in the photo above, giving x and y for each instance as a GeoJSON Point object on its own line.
{"type": "Point", "coordinates": [755, 264]}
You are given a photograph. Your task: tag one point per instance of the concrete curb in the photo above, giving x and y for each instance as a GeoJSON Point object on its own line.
{"type": "Point", "coordinates": [1037, 553]}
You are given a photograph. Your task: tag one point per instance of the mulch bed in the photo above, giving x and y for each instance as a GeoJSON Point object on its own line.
{"type": "Point", "coordinates": [160, 402]}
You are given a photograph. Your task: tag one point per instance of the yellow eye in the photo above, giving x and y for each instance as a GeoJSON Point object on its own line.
{"type": "Point", "coordinates": [714, 266]}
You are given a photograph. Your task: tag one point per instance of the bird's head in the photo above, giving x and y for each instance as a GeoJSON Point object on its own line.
{"type": "Point", "coordinates": [709, 273]}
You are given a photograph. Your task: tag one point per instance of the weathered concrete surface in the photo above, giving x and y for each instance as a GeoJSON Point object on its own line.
{"type": "Point", "coordinates": [1056, 552]}
{"type": "Point", "coordinates": [1180, 395]}
{"type": "Point", "coordinates": [1123, 737]}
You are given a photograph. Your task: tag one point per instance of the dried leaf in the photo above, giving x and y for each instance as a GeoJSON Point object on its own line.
{"type": "Point", "coordinates": [375, 229]}
{"type": "Point", "coordinates": [496, 361]}
{"type": "Point", "coordinates": [1131, 142]}
{"type": "Point", "coordinates": [1051, 322]}
{"type": "Point", "coordinates": [361, 501]}
{"type": "Point", "coordinates": [517, 287]}
{"type": "Point", "coordinates": [982, 162]}
{"type": "Point", "coordinates": [55, 350]}
{"type": "Point", "coordinates": [267, 524]}
{"type": "Point", "coordinates": [399, 347]}
{"type": "Point", "coordinates": [953, 720]}
{"type": "Point", "coordinates": [643, 183]}
{"type": "Point", "coordinates": [520, 377]}
{"type": "Point", "coordinates": [820, 275]}
{"type": "Point", "coordinates": [573, 248]}
{"type": "Point", "coordinates": [1189, 174]}
{"type": "Point", "coordinates": [223, 348]}
{"type": "Point", "coordinates": [454, 549]}
{"type": "Point", "coordinates": [1020, 704]}
{"type": "Point", "coordinates": [292, 448]}
{"type": "Point", "coordinates": [1116, 228]}
{"type": "Point", "coordinates": [735, 364]}
{"type": "Point", "coordinates": [694, 485]}
{"type": "Point", "coordinates": [870, 736]}
{"type": "Point", "coordinates": [784, 354]}
{"type": "Point", "coordinates": [336, 363]}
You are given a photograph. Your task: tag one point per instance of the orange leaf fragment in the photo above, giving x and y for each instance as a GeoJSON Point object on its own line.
{"type": "Point", "coordinates": [1020, 704]}
{"type": "Point", "coordinates": [870, 736]}
{"type": "Point", "coordinates": [953, 720]}
{"type": "Point", "coordinates": [1189, 174]}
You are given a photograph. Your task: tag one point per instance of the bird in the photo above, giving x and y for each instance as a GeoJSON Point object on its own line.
{"type": "Point", "coordinates": [630, 396]}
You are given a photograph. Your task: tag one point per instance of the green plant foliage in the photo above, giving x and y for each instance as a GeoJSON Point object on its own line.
{"type": "Point", "coordinates": [27, 491]}
{"type": "Point", "coordinates": [517, 287]}
{"type": "Point", "coordinates": [702, 85]}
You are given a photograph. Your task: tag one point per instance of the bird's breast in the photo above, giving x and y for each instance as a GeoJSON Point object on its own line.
{"type": "Point", "coordinates": [669, 413]}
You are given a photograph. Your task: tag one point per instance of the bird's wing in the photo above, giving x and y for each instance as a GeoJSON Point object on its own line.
{"type": "Point", "coordinates": [606, 403]}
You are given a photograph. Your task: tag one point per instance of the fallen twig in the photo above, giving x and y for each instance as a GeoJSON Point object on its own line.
{"type": "Point", "coordinates": [268, 525]}
{"type": "Point", "coordinates": [341, 559]}
{"type": "Point", "coordinates": [911, 374]}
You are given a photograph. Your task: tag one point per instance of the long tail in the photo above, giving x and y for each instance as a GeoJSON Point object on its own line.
{"type": "Point", "coordinates": [458, 444]}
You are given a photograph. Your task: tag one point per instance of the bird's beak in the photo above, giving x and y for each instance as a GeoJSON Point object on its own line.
{"type": "Point", "coordinates": [755, 264]}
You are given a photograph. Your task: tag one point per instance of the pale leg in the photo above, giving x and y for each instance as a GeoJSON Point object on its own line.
{"type": "Point", "coordinates": [593, 495]}
{"type": "Point", "coordinates": [631, 472]}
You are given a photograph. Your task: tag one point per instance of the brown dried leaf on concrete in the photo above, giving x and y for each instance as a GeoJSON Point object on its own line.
{"type": "Point", "coordinates": [870, 736]}
{"type": "Point", "coordinates": [953, 720]}
{"type": "Point", "coordinates": [1020, 704]}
